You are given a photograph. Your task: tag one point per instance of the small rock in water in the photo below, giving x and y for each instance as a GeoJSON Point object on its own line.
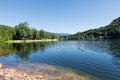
{"type": "Point", "coordinates": [1, 66]}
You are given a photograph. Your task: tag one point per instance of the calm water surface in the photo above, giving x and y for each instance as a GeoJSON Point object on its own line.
{"type": "Point", "coordinates": [100, 59]}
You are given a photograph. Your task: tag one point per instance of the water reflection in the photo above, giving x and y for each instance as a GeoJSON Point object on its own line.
{"type": "Point", "coordinates": [115, 52]}
{"type": "Point", "coordinates": [97, 58]}
{"type": "Point", "coordinates": [22, 50]}
{"type": "Point", "coordinates": [104, 55]}
{"type": "Point", "coordinates": [6, 49]}
{"type": "Point", "coordinates": [100, 46]}
{"type": "Point", "coordinates": [115, 48]}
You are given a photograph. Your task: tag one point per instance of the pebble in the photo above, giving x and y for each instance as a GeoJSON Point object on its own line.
{"type": "Point", "coordinates": [1, 66]}
{"type": "Point", "coordinates": [12, 74]}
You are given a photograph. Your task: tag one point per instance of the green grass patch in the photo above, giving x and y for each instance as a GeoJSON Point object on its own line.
{"type": "Point", "coordinates": [9, 41]}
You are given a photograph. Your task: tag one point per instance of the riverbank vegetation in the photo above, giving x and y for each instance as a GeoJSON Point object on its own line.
{"type": "Point", "coordinates": [111, 31]}
{"type": "Point", "coordinates": [22, 31]}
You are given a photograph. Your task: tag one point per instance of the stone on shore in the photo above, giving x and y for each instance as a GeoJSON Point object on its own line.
{"type": "Point", "coordinates": [1, 66]}
{"type": "Point", "coordinates": [12, 74]}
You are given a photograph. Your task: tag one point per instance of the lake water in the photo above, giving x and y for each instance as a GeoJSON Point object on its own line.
{"type": "Point", "coordinates": [99, 59]}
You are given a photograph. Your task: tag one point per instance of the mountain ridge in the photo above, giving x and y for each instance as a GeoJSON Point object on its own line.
{"type": "Point", "coordinates": [110, 31]}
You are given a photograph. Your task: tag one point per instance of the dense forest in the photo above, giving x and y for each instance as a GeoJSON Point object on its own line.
{"type": "Point", "coordinates": [22, 31]}
{"type": "Point", "coordinates": [111, 31]}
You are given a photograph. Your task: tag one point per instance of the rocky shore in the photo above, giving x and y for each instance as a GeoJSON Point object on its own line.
{"type": "Point", "coordinates": [39, 72]}
{"type": "Point", "coordinates": [12, 74]}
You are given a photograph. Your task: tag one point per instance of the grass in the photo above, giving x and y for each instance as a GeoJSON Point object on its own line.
{"type": "Point", "coordinates": [9, 41]}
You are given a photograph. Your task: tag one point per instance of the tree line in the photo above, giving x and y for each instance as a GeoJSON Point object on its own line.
{"type": "Point", "coordinates": [111, 31]}
{"type": "Point", "coordinates": [22, 31]}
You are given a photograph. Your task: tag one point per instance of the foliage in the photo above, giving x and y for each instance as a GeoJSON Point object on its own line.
{"type": "Point", "coordinates": [5, 32]}
{"type": "Point", "coordinates": [22, 31]}
{"type": "Point", "coordinates": [111, 31]}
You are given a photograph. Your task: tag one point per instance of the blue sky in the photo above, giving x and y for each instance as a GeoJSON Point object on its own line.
{"type": "Point", "coordinates": [62, 16]}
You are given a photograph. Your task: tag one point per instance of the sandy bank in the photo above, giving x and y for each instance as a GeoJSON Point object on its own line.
{"type": "Point", "coordinates": [28, 41]}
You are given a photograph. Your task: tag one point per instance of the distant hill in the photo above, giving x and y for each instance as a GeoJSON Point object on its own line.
{"type": "Point", "coordinates": [5, 27]}
{"type": "Point", "coordinates": [111, 31]}
{"type": "Point", "coordinates": [59, 34]}
{"type": "Point", "coordinates": [63, 34]}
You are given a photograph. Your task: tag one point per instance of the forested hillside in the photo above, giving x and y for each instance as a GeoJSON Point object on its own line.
{"type": "Point", "coordinates": [111, 31]}
{"type": "Point", "coordinates": [23, 32]}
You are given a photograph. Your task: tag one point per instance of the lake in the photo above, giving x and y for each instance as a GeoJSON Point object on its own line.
{"type": "Point", "coordinates": [96, 60]}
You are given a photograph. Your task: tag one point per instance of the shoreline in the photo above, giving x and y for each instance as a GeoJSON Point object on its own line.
{"type": "Point", "coordinates": [13, 74]}
{"type": "Point", "coordinates": [29, 41]}
{"type": "Point", "coordinates": [40, 72]}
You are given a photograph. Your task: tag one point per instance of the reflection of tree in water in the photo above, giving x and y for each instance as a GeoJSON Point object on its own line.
{"type": "Point", "coordinates": [100, 46]}
{"type": "Point", "coordinates": [23, 50]}
{"type": "Point", "coordinates": [39, 46]}
{"type": "Point", "coordinates": [115, 50]}
{"type": "Point", "coordinates": [5, 49]}
{"type": "Point", "coordinates": [111, 47]}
